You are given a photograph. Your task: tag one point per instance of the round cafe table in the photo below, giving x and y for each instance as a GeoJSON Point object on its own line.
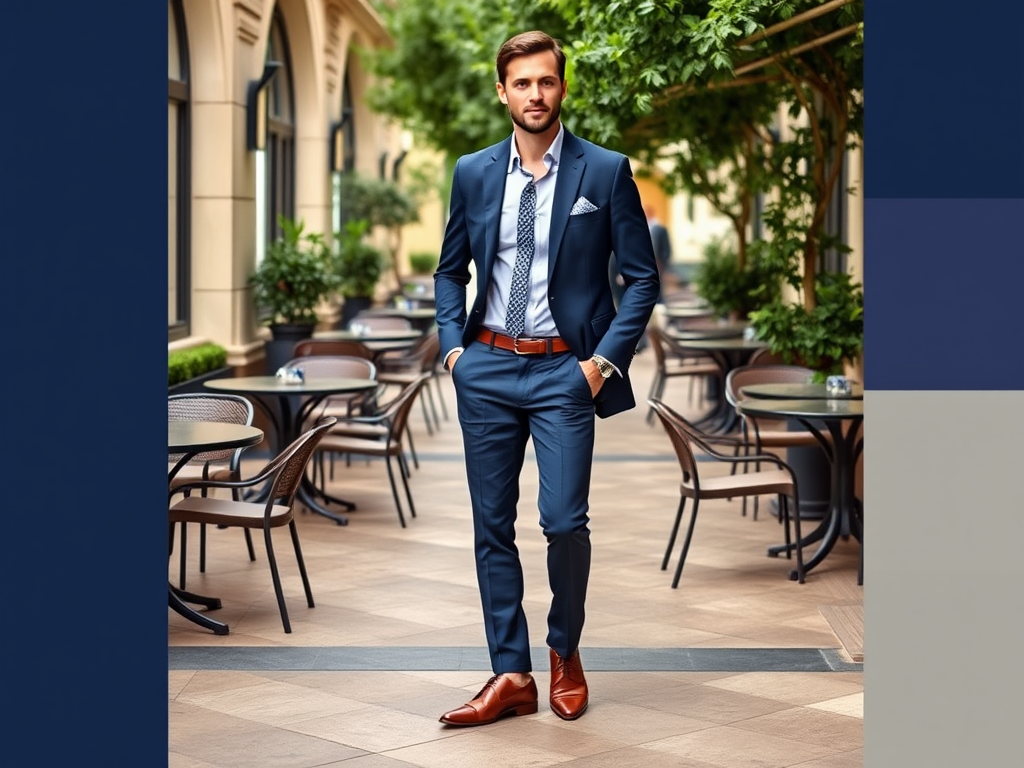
{"type": "Point", "coordinates": [843, 418]}
{"type": "Point", "coordinates": [190, 438]}
{"type": "Point", "coordinates": [377, 341]}
{"type": "Point", "coordinates": [729, 352]}
{"type": "Point", "coordinates": [807, 391]}
{"type": "Point", "coordinates": [383, 334]}
{"type": "Point", "coordinates": [294, 404]}
{"type": "Point", "coordinates": [422, 318]}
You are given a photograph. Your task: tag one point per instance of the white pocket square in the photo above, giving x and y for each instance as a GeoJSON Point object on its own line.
{"type": "Point", "coordinates": [582, 206]}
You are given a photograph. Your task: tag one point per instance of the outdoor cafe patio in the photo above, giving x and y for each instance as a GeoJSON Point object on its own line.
{"type": "Point", "coordinates": [738, 666]}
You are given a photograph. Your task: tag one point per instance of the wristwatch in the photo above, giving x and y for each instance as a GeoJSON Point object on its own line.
{"type": "Point", "coordinates": [606, 368]}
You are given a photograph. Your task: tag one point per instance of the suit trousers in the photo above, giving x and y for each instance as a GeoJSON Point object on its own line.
{"type": "Point", "coordinates": [504, 399]}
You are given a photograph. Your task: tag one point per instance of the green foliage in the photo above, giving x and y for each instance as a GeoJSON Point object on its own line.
{"type": "Point", "coordinates": [185, 364]}
{"type": "Point", "coordinates": [438, 79]}
{"type": "Point", "coordinates": [379, 202]}
{"type": "Point", "coordinates": [822, 338]}
{"type": "Point", "coordinates": [358, 264]}
{"type": "Point", "coordinates": [423, 262]}
{"type": "Point", "coordinates": [294, 276]}
{"type": "Point", "coordinates": [727, 286]}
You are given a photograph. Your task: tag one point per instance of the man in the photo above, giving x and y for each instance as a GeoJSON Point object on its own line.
{"type": "Point", "coordinates": [541, 349]}
{"type": "Point", "coordinates": [662, 244]}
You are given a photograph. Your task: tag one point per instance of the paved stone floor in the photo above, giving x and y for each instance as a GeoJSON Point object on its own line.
{"type": "Point", "coordinates": [737, 667]}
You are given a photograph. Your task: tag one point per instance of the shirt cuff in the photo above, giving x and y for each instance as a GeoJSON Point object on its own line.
{"type": "Point", "coordinates": [456, 349]}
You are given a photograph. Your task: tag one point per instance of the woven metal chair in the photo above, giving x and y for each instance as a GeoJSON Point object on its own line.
{"type": "Point", "coordinates": [380, 436]}
{"type": "Point", "coordinates": [284, 473]}
{"type": "Point", "coordinates": [672, 361]}
{"type": "Point", "coordinates": [761, 434]}
{"type": "Point", "coordinates": [212, 465]}
{"type": "Point", "coordinates": [697, 485]}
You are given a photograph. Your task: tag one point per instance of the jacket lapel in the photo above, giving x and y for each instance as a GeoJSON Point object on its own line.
{"type": "Point", "coordinates": [567, 185]}
{"type": "Point", "coordinates": [494, 193]}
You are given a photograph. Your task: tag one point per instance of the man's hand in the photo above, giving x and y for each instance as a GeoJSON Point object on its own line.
{"type": "Point", "coordinates": [593, 374]}
{"type": "Point", "coordinates": [452, 358]}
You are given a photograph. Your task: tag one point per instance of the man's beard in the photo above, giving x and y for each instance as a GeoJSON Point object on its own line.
{"type": "Point", "coordinates": [549, 119]}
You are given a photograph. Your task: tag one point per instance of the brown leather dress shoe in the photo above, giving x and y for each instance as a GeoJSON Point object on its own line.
{"type": "Point", "coordinates": [498, 698]}
{"type": "Point", "coordinates": [569, 694]}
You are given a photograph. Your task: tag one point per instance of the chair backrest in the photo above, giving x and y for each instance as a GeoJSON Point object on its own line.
{"type": "Point", "coordinates": [309, 347]}
{"type": "Point", "coordinates": [681, 435]}
{"type": "Point", "coordinates": [665, 346]}
{"type": "Point", "coordinates": [746, 375]}
{"type": "Point", "coordinates": [396, 412]}
{"type": "Point", "coordinates": [427, 351]}
{"type": "Point", "coordinates": [658, 343]}
{"type": "Point", "coordinates": [380, 322]}
{"type": "Point", "coordinates": [431, 351]}
{"type": "Point", "coordinates": [334, 366]}
{"type": "Point", "coordinates": [289, 466]}
{"type": "Point", "coordinates": [230, 409]}
{"type": "Point", "coordinates": [766, 357]}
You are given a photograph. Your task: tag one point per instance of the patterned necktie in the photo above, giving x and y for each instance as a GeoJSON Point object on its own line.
{"type": "Point", "coordinates": [515, 320]}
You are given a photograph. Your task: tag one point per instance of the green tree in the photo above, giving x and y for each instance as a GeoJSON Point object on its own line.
{"type": "Point", "coordinates": [696, 83]}
{"type": "Point", "coordinates": [438, 78]}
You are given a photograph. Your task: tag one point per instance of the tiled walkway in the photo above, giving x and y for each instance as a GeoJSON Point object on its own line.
{"type": "Point", "coordinates": [737, 667]}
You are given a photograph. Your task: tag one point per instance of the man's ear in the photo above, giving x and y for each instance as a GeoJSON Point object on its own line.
{"type": "Point", "coordinates": [501, 93]}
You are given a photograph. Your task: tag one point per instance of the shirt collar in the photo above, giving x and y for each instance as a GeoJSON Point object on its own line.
{"type": "Point", "coordinates": [551, 157]}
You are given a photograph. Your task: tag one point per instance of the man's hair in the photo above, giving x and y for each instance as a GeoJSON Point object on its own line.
{"type": "Point", "coordinates": [527, 44]}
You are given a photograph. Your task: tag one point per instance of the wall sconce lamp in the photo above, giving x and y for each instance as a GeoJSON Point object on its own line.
{"type": "Point", "coordinates": [406, 146]}
{"type": "Point", "coordinates": [382, 165]}
{"type": "Point", "coordinates": [257, 105]}
{"type": "Point", "coordinates": [338, 141]}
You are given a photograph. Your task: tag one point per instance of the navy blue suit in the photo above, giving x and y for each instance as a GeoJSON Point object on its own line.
{"type": "Point", "coordinates": [504, 399]}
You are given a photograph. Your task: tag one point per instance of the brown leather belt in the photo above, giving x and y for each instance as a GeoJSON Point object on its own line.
{"type": "Point", "coordinates": [522, 346]}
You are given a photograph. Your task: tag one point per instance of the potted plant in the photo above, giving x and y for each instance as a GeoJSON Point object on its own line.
{"type": "Point", "coordinates": [423, 262]}
{"type": "Point", "coordinates": [294, 277]}
{"type": "Point", "coordinates": [825, 337]}
{"type": "Point", "coordinates": [380, 203]}
{"type": "Point", "coordinates": [358, 266]}
{"type": "Point", "coordinates": [730, 289]}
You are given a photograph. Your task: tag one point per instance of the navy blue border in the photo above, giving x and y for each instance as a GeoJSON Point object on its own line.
{"type": "Point", "coordinates": [84, 242]}
{"type": "Point", "coordinates": [944, 189]}
{"type": "Point", "coordinates": [944, 108]}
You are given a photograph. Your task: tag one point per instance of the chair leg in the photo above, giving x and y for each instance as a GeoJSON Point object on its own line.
{"type": "Point", "coordinates": [412, 446]}
{"type": "Point", "coordinates": [686, 544]}
{"type": "Point", "coordinates": [302, 563]}
{"type": "Point", "coordinates": [800, 575]}
{"type": "Point", "coordinates": [202, 547]}
{"type": "Point", "coordinates": [182, 556]}
{"type": "Point", "coordinates": [440, 395]}
{"type": "Point", "coordinates": [433, 405]}
{"type": "Point", "coordinates": [394, 491]}
{"type": "Point", "coordinates": [784, 516]}
{"type": "Point", "coordinates": [406, 475]}
{"type": "Point", "coordinates": [276, 577]}
{"type": "Point", "coordinates": [248, 545]}
{"type": "Point", "coordinates": [672, 536]}
{"type": "Point", "coordinates": [657, 385]}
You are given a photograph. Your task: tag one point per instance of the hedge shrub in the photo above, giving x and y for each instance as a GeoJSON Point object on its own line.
{"type": "Point", "coordinates": [185, 364]}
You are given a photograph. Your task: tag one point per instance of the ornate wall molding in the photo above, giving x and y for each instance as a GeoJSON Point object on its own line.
{"type": "Point", "coordinates": [248, 14]}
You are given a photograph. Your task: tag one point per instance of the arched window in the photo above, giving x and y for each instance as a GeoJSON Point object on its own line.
{"type": "Point", "coordinates": [178, 192]}
{"type": "Point", "coordinates": [347, 148]}
{"type": "Point", "coordinates": [279, 160]}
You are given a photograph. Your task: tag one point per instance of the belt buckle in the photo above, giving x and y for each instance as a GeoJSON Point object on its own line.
{"type": "Point", "coordinates": [515, 346]}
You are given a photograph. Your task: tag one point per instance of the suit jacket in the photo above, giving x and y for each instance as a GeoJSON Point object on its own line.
{"type": "Point", "coordinates": [581, 245]}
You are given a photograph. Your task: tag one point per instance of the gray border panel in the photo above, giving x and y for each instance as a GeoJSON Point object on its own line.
{"type": "Point", "coordinates": [944, 528]}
